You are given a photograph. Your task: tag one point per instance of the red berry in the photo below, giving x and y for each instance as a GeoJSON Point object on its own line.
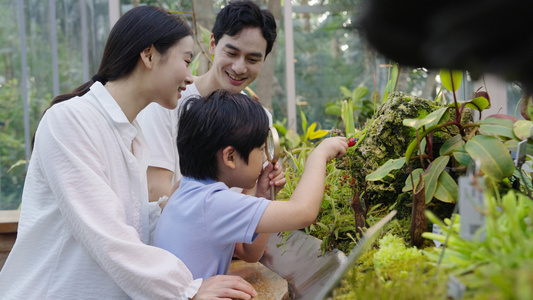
{"type": "Point", "coordinates": [351, 141]}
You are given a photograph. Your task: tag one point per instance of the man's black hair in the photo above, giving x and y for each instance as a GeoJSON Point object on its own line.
{"type": "Point", "coordinates": [241, 14]}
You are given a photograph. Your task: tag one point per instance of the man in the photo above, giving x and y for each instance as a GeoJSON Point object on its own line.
{"type": "Point", "coordinates": [241, 39]}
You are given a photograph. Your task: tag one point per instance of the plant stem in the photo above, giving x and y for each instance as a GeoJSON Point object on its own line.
{"type": "Point", "coordinates": [414, 143]}
{"type": "Point", "coordinates": [196, 34]}
{"type": "Point", "coordinates": [457, 112]}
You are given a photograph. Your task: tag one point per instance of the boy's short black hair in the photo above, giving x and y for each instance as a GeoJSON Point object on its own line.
{"type": "Point", "coordinates": [207, 125]}
{"type": "Point", "coordinates": [240, 14]}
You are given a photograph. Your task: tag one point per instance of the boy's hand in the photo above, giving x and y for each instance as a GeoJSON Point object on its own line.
{"type": "Point", "coordinates": [271, 176]}
{"type": "Point", "coordinates": [263, 182]}
{"type": "Point", "coordinates": [277, 177]}
{"type": "Point", "coordinates": [333, 147]}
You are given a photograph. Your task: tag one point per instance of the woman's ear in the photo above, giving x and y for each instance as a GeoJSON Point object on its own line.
{"type": "Point", "coordinates": [212, 45]}
{"type": "Point", "coordinates": [229, 157]}
{"type": "Point", "coordinates": [146, 57]}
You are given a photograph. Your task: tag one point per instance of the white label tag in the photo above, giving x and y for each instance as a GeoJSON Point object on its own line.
{"type": "Point", "coordinates": [455, 288]}
{"type": "Point", "coordinates": [437, 230]}
{"type": "Point", "coordinates": [521, 150]}
{"type": "Point", "coordinates": [471, 204]}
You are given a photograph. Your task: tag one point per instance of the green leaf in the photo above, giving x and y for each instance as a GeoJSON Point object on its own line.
{"type": "Point", "coordinates": [432, 175]}
{"type": "Point", "coordinates": [347, 117]}
{"type": "Point", "coordinates": [323, 226]}
{"type": "Point", "coordinates": [431, 119]}
{"type": "Point", "coordinates": [206, 35]}
{"type": "Point", "coordinates": [522, 129]}
{"type": "Point", "coordinates": [391, 83]}
{"type": "Point", "coordinates": [498, 131]}
{"type": "Point", "coordinates": [450, 77]}
{"type": "Point", "coordinates": [438, 98]}
{"type": "Point", "coordinates": [496, 126]}
{"type": "Point", "coordinates": [495, 159]}
{"type": "Point", "coordinates": [447, 189]}
{"type": "Point", "coordinates": [385, 169]}
{"type": "Point", "coordinates": [501, 119]}
{"type": "Point", "coordinates": [359, 92]}
{"type": "Point", "coordinates": [281, 129]}
{"type": "Point", "coordinates": [293, 139]}
{"type": "Point", "coordinates": [454, 143]}
{"type": "Point", "coordinates": [345, 91]}
{"type": "Point", "coordinates": [416, 176]}
{"type": "Point", "coordinates": [395, 76]}
{"type": "Point", "coordinates": [511, 145]}
{"type": "Point", "coordinates": [479, 103]}
{"type": "Point", "coordinates": [194, 64]}
{"type": "Point", "coordinates": [422, 147]}
{"type": "Point", "coordinates": [334, 110]}
{"type": "Point", "coordinates": [309, 130]}
{"type": "Point", "coordinates": [20, 162]}
{"type": "Point", "coordinates": [385, 95]}
{"type": "Point", "coordinates": [462, 158]}
{"type": "Point", "coordinates": [320, 133]}
{"type": "Point", "coordinates": [304, 121]}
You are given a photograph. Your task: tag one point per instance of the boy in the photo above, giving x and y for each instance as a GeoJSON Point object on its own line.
{"type": "Point", "coordinates": [221, 141]}
{"type": "Point", "coordinates": [242, 37]}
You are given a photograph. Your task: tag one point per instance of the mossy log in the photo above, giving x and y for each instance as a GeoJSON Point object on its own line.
{"type": "Point", "coordinates": [385, 137]}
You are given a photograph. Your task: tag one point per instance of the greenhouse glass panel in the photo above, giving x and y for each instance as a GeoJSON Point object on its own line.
{"type": "Point", "coordinates": [60, 43]}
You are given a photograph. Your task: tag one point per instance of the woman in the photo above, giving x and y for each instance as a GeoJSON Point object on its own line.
{"type": "Point", "coordinates": [85, 224]}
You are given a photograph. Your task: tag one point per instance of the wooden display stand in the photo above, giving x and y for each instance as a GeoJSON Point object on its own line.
{"type": "Point", "coordinates": [9, 220]}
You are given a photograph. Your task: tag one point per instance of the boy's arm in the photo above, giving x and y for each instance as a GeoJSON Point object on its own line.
{"type": "Point", "coordinates": [252, 252]}
{"type": "Point", "coordinates": [303, 206]}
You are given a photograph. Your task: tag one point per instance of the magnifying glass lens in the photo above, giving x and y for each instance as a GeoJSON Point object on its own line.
{"type": "Point", "coordinates": [270, 146]}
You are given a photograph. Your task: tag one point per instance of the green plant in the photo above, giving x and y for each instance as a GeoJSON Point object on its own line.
{"type": "Point", "coordinates": [486, 145]}
{"type": "Point", "coordinates": [392, 270]}
{"type": "Point", "coordinates": [501, 257]}
{"type": "Point", "coordinates": [335, 221]}
{"type": "Point", "coordinates": [12, 147]}
{"type": "Point", "coordinates": [335, 224]}
{"type": "Point", "coordinates": [291, 140]}
{"type": "Point", "coordinates": [360, 107]}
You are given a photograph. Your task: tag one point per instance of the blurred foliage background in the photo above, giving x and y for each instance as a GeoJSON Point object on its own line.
{"type": "Point", "coordinates": [330, 58]}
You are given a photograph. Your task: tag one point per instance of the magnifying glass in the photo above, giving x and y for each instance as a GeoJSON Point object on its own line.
{"type": "Point", "coordinates": [272, 152]}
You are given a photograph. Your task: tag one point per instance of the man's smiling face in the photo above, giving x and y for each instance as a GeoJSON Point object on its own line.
{"type": "Point", "coordinates": [238, 59]}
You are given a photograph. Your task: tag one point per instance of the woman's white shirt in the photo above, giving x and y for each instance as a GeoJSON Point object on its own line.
{"type": "Point", "coordinates": [85, 221]}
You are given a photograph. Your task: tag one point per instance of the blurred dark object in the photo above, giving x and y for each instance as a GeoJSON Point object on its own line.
{"type": "Point", "coordinates": [481, 36]}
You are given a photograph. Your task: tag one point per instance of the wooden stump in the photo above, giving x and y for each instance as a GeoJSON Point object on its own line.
{"type": "Point", "coordinates": [269, 285]}
{"type": "Point", "coordinates": [8, 232]}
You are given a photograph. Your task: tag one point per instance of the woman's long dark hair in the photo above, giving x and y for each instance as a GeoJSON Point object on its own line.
{"type": "Point", "coordinates": [136, 30]}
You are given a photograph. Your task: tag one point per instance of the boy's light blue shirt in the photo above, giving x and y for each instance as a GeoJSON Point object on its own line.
{"type": "Point", "coordinates": [203, 220]}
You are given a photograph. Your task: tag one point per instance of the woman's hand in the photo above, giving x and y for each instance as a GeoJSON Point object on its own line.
{"type": "Point", "coordinates": [225, 287]}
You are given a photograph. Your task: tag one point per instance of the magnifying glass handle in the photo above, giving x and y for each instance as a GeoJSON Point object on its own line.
{"type": "Point", "coordinates": [273, 192]}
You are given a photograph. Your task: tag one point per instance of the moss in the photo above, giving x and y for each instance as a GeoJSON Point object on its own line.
{"type": "Point", "coordinates": [408, 279]}
{"type": "Point", "coordinates": [387, 138]}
